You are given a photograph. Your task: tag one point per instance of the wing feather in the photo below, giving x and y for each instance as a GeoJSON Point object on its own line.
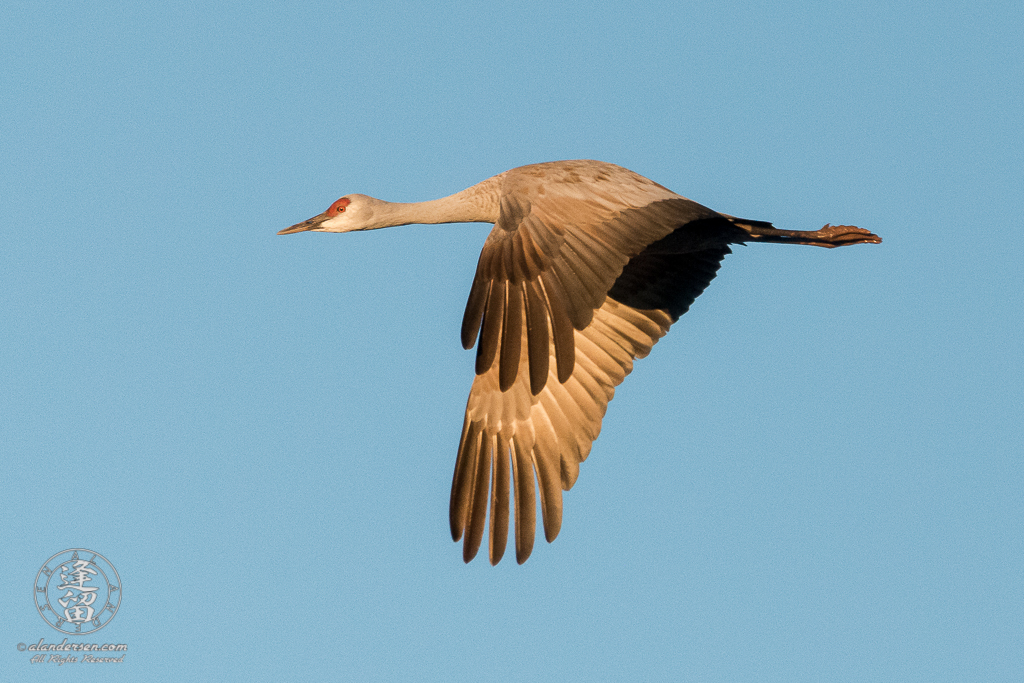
{"type": "Point", "coordinates": [561, 326]}
{"type": "Point", "coordinates": [478, 502]}
{"type": "Point", "coordinates": [529, 260]}
{"type": "Point", "coordinates": [526, 502]}
{"type": "Point", "coordinates": [458, 510]}
{"type": "Point", "coordinates": [489, 333]}
{"type": "Point", "coordinates": [511, 335]}
{"type": "Point", "coordinates": [587, 270]}
{"type": "Point", "coordinates": [547, 463]}
{"type": "Point", "coordinates": [474, 314]}
{"type": "Point", "coordinates": [498, 536]}
{"type": "Point", "coordinates": [536, 335]}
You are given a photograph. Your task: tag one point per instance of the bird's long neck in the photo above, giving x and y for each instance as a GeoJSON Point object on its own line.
{"type": "Point", "coordinates": [476, 204]}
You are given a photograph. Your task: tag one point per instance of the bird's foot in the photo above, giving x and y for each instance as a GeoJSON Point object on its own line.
{"type": "Point", "coordinates": [841, 235]}
{"type": "Point", "coordinates": [830, 236]}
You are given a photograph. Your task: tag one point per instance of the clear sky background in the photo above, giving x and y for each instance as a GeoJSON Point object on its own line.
{"type": "Point", "coordinates": [818, 475]}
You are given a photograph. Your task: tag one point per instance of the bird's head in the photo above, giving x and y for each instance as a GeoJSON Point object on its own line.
{"type": "Point", "coordinates": [351, 212]}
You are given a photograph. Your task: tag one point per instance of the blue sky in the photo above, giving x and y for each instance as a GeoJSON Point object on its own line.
{"type": "Point", "coordinates": [817, 475]}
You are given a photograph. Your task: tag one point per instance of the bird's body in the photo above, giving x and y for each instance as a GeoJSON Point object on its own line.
{"type": "Point", "coordinates": [587, 266]}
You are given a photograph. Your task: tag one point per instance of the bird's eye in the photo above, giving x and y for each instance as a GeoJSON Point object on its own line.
{"type": "Point", "coordinates": [339, 206]}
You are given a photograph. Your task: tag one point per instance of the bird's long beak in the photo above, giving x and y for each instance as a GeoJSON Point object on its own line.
{"type": "Point", "coordinates": [312, 224]}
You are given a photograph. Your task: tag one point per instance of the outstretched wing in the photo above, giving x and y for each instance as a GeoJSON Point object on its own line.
{"type": "Point", "coordinates": [565, 232]}
{"type": "Point", "coordinates": [514, 436]}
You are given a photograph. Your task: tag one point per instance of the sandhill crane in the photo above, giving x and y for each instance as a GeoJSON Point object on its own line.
{"type": "Point", "coordinates": [587, 266]}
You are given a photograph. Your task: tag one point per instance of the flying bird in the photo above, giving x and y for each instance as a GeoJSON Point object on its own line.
{"type": "Point", "coordinates": [586, 268]}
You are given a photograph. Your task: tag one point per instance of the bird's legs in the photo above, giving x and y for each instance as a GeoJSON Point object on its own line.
{"type": "Point", "coordinates": [830, 236]}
